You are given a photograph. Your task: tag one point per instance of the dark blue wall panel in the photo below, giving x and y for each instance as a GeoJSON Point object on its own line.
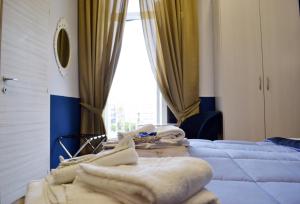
{"type": "Point", "coordinates": [64, 120]}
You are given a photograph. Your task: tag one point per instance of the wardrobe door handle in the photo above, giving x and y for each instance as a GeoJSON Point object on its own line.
{"type": "Point", "coordinates": [9, 79]}
{"type": "Point", "coordinates": [260, 84]}
{"type": "Point", "coordinates": [268, 84]}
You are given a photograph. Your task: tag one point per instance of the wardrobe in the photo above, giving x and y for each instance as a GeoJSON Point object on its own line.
{"type": "Point", "coordinates": [257, 67]}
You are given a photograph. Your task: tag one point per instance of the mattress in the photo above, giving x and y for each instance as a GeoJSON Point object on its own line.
{"type": "Point", "coordinates": [251, 172]}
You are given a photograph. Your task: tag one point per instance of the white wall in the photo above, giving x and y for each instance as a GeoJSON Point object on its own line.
{"type": "Point", "coordinates": [206, 49]}
{"type": "Point", "coordinates": [67, 85]}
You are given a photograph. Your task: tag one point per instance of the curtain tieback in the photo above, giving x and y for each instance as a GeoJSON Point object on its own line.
{"type": "Point", "coordinates": [92, 108]}
{"type": "Point", "coordinates": [189, 111]}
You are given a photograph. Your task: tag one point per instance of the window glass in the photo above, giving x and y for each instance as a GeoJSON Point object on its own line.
{"type": "Point", "coordinates": [133, 98]}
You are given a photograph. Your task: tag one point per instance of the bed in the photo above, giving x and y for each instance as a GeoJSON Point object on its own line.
{"type": "Point", "coordinates": [248, 172]}
{"type": "Point", "coordinates": [251, 172]}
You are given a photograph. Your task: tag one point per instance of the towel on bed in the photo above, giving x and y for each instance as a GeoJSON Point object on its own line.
{"type": "Point", "coordinates": [123, 153]}
{"type": "Point", "coordinates": [167, 132]}
{"type": "Point", "coordinates": [40, 192]}
{"type": "Point", "coordinates": [164, 136]}
{"type": "Point", "coordinates": [153, 180]}
{"type": "Point", "coordinates": [144, 128]}
{"type": "Point", "coordinates": [170, 133]}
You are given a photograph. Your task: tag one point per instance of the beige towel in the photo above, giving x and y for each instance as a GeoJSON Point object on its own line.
{"type": "Point", "coordinates": [123, 153]}
{"type": "Point", "coordinates": [40, 192]}
{"type": "Point", "coordinates": [108, 158]}
{"type": "Point", "coordinates": [175, 151]}
{"type": "Point", "coordinates": [35, 193]}
{"type": "Point", "coordinates": [79, 194]}
{"type": "Point", "coordinates": [203, 197]}
{"type": "Point", "coordinates": [153, 180]}
{"type": "Point", "coordinates": [170, 134]}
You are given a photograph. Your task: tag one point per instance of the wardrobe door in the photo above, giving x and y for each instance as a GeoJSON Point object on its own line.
{"type": "Point", "coordinates": [281, 51]}
{"type": "Point", "coordinates": [238, 74]}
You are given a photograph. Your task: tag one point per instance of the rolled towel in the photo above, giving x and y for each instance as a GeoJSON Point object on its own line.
{"type": "Point", "coordinates": [144, 128]}
{"type": "Point", "coordinates": [170, 134]}
{"type": "Point", "coordinates": [154, 180]}
{"type": "Point", "coordinates": [123, 153]}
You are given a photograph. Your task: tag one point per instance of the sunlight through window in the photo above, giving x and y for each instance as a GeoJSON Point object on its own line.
{"type": "Point", "coordinates": [134, 98]}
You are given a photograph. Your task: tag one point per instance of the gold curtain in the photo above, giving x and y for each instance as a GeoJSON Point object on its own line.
{"type": "Point", "coordinates": [171, 35]}
{"type": "Point", "coordinates": [101, 25]}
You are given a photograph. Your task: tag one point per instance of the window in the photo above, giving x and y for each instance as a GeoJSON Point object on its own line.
{"type": "Point", "coordinates": [134, 98]}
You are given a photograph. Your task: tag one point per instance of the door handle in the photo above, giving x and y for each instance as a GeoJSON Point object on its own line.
{"type": "Point", "coordinates": [260, 84]}
{"type": "Point", "coordinates": [9, 79]}
{"type": "Point", "coordinates": [5, 79]}
{"type": "Point", "coordinates": [268, 83]}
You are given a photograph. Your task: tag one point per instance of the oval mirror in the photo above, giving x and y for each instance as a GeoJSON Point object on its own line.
{"type": "Point", "coordinates": [62, 46]}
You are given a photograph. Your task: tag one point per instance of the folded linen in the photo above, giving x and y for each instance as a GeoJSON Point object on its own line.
{"type": "Point", "coordinates": [144, 128]}
{"type": "Point", "coordinates": [75, 160]}
{"type": "Point", "coordinates": [109, 158]}
{"type": "Point", "coordinates": [174, 151]}
{"type": "Point", "coordinates": [39, 193]}
{"type": "Point", "coordinates": [154, 180]}
{"type": "Point", "coordinates": [79, 194]}
{"type": "Point", "coordinates": [35, 193]}
{"type": "Point", "coordinates": [203, 197]}
{"type": "Point", "coordinates": [170, 134]}
{"type": "Point", "coordinates": [123, 153]}
{"type": "Point", "coordinates": [165, 136]}
{"type": "Point", "coordinates": [162, 145]}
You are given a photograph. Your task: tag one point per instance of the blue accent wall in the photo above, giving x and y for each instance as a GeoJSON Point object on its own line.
{"type": "Point", "coordinates": [64, 120]}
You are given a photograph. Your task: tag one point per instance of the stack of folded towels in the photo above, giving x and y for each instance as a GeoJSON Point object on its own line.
{"type": "Point", "coordinates": [149, 136]}
{"type": "Point", "coordinates": [119, 176]}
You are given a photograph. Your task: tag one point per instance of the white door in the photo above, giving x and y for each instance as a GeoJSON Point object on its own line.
{"type": "Point", "coordinates": [281, 48]}
{"type": "Point", "coordinates": [238, 74]}
{"type": "Point", "coordinates": [24, 108]}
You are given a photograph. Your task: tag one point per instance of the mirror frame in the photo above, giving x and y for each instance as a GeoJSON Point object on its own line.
{"type": "Point", "coordinates": [62, 24]}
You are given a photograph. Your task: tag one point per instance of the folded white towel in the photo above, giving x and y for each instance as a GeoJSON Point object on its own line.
{"type": "Point", "coordinates": [109, 158]}
{"type": "Point", "coordinates": [123, 153]}
{"type": "Point", "coordinates": [79, 194]}
{"type": "Point", "coordinates": [154, 180]}
{"type": "Point", "coordinates": [170, 134]}
{"type": "Point", "coordinates": [35, 193]}
{"type": "Point", "coordinates": [40, 192]}
{"type": "Point", "coordinates": [144, 128]}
